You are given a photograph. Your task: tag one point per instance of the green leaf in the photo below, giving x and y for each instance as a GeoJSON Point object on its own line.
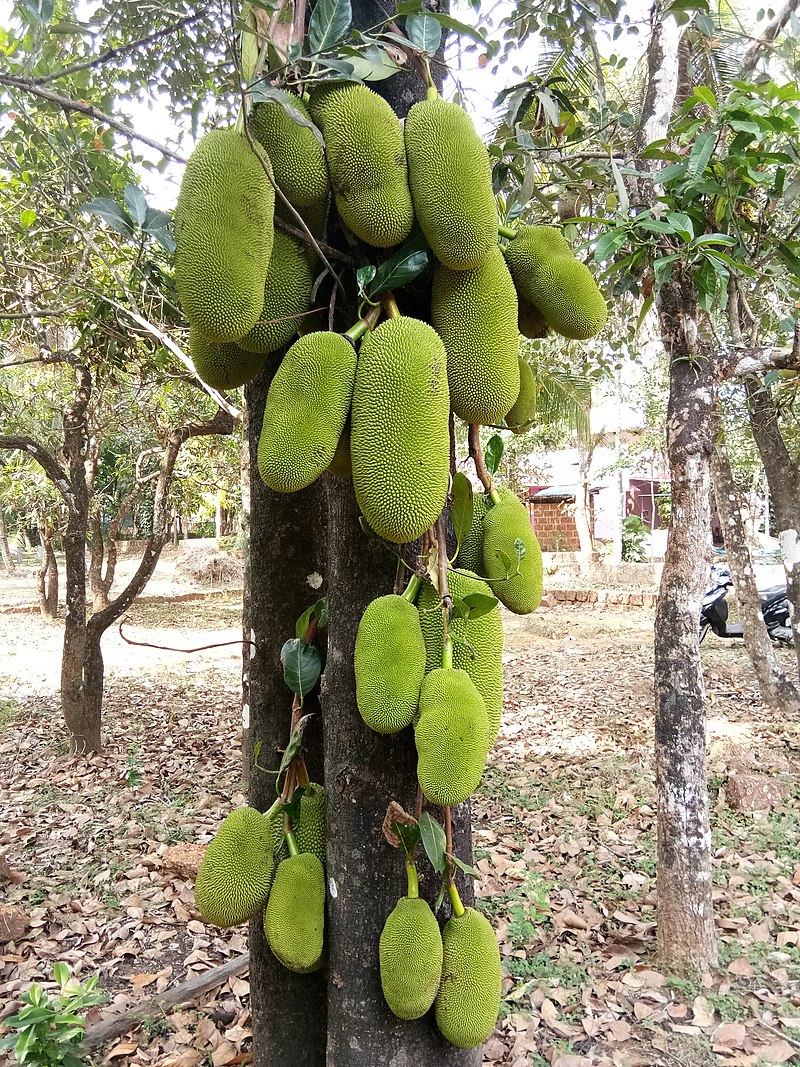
{"type": "Point", "coordinates": [109, 210]}
{"type": "Point", "coordinates": [302, 666]}
{"type": "Point", "coordinates": [322, 613]}
{"type": "Point", "coordinates": [493, 453]}
{"type": "Point", "coordinates": [462, 509]}
{"type": "Point", "coordinates": [330, 20]}
{"type": "Point", "coordinates": [319, 611]}
{"type": "Point", "coordinates": [654, 226]}
{"type": "Point", "coordinates": [61, 973]}
{"type": "Point", "coordinates": [460, 609]}
{"type": "Point", "coordinates": [262, 92]}
{"type": "Point", "coordinates": [705, 95]}
{"type": "Point", "coordinates": [293, 748]}
{"type": "Point", "coordinates": [27, 217]}
{"type": "Point", "coordinates": [292, 809]}
{"type": "Point", "coordinates": [668, 174]}
{"type": "Point", "coordinates": [608, 244]}
{"type": "Point", "coordinates": [519, 549]}
{"type": "Point", "coordinates": [373, 64]}
{"type": "Point", "coordinates": [407, 263]}
{"type": "Point", "coordinates": [409, 835]}
{"type": "Point", "coordinates": [682, 223]}
{"type": "Point", "coordinates": [459, 27]}
{"type": "Point", "coordinates": [714, 239]}
{"type": "Point", "coordinates": [364, 276]}
{"type": "Point", "coordinates": [164, 238]}
{"type": "Point", "coordinates": [702, 151]}
{"type": "Point", "coordinates": [465, 867]}
{"type": "Point", "coordinates": [434, 841]}
{"type": "Point", "coordinates": [478, 604]}
{"type": "Point", "coordinates": [136, 203]}
{"type": "Point", "coordinates": [41, 11]}
{"type": "Point", "coordinates": [424, 33]}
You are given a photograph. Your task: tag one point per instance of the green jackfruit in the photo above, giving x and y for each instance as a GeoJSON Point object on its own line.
{"type": "Point", "coordinates": [295, 917]}
{"type": "Point", "coordinates": [232, 883]}
{"type": "Point", "coordinates": [523, 414]}
{"type": "Point", "coordinates": [223, 233]}
{"type": "Point", "coordinates": [468, 1001]}
{"type": "Point", "coordinates": [532, 246]}
{"type": "Point", "coordinates": [287, 296]}
{"type": "Point", "coordinates": [366, 161]}
{"type": "Point", "coordinates": [389, 664]}
{"type": "Point", "coordinates": [400, 437]}
{"type": "Point", "coordinates": [470, 553]}
{"type": "Point", "coordinates": [411, 955]}
{"type": "Point", "coordinates": [475, 314]}
{"type": "Point", "coordinates": [223, 366]}
{"type": "Point", "coordinates": [309, 832]}
{"type": "Point", "coordinates": [451, 735]}
{"type": "Point", "coordinates": [306, 408]}
{"type": "Point", "coordinates": [504, 523]}
{"type": "Point", "coordinates": [477, 643]}
{"type": "Point", "coordinates": [298, 161]}
{"type": "Point", "coordinates": [451, 184]}
{"type": "Point", "coordinates": [341, 465]}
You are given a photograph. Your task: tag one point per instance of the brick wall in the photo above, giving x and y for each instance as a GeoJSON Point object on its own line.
{"type": "Point", "coordinates": [554, 526]}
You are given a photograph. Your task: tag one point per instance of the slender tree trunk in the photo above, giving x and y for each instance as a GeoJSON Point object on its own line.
{"type": "Point", "coordinates": [96, 555]}
{"type": "Point", "coordinates": [48, 575]}
{"type": "Point", "coordinates": [247, 599]}
{"type": "Point", "coordinates": [583, 514]}
{"type": "Point", "coordinates": [5, 551]}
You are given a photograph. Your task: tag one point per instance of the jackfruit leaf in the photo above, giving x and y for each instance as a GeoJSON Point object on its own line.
{"type": "Point", "coordinates": [424, 33]}
{"type": "Point", "coordinates": [462, 641]}
{"type": "Point", "coordinates": [292, 809]}
{"type": "Point", "coordinates": [432, 566]}
{"type": "Point", "coordinates": [337, 70]}
{"type": "Point", "coordinates": [319, 611]}
{"type": "Point", "coordinates": [701, 153]}
{"type": "Point", "coordinates": [511, 565]}
{"type": "Point", "coordinates": [434, 841]}
{"type": "Point", "coordinates": [364, 276]}
{"type": "Point", "coordinates": [256, 753]}
{"type": "Point", "coordinates": [493, 453]}
{"type": "Point", "coordinates": [136, 203]}
{"type": "Point", "coordinates": [440, 896]}
{"type": "Point", "coordinates": [371, 64]}
{"type": "Point", "coordinates": [110, 211]}
{"type": "Point", "coordinates": [408, 262]}
{"type": "Point", "coordinates": [263, 93]}
{"type": "Point", "coordinates": [478, 604]}
{"type": "Point", "coordinates": [409, 834]}
{"type": "Point", "coordinates": [465, 867]}
{"type": "Point", "coordinates": [27, 217]}
{"type": "Point", "coordinates": [41, 11]}
{"type": "Point", "coordinates": [249, 45]}
{"type": "Point", "coordinates": [461, 513]}
{"type": "Point", "coordinates": [519, 549]}
{"type": "Point", "coordinates": [293, 748]}
{"type": "Point", "coordinates": [330, 20]}
{"type": "Point", "coordinates": [301, 666]}
{"type": "Point", "coordinates": [458, 27]}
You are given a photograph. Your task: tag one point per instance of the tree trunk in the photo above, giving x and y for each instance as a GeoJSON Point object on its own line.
{"type": "Point", "coordinates": [777, 691]}
{"type": "Point", "coordinates": [48, 575]}
{"type": "Point", "coordinates": [5, 551]}
{"type": "Point", "coordinates": [685, 912]}
{"type": "Point", "coordinates": [583, 513]}
{"type": "Point", "coordinates": [97, 586]}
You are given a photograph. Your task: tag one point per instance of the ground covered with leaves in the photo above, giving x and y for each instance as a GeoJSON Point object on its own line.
{"type": "Point", "coordinates": [564, 841]}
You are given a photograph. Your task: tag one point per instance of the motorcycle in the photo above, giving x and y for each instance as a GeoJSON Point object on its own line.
{"type": "Point", "coordinates": [714, 609]}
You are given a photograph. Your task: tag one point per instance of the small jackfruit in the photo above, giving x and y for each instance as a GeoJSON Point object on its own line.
{"type": "Point", "coordinates": [451, 184]}
{"type": "Point", "coordinates": [400, 437]}
{"type": "Point", "coordinates": [232, 883]}
{"type": "Point", "coordinates": [298, 161]}
{"type": "Point", "coordinates": [411, 956]}
{"type": "Point", "coordinates": [223, 234]}
{"type": "Point", "coordinates": [470, 552]}
{"type": "Point", "coordinates": [287, 296]}
{"type": "Point", "coordinates": [295, 917]}
{"type": "Point", "coordinates": [389, 664]}
{"type": "Point", "coordinates": [366, 161]}
{"type": "Point", "coordinates": [468, 1001]}
{"type": "Point", "coordinates": [475, 314]}
{"type": "Point", "coordinates": [451, 736]}
{"type": "Point", "coordinates": [523, 414]}
{"type": "Point", "coordinates": [306, 409]}
{"type": "Point", "coordinates": [223, 366]}
{"type": "Point", "coordinates": [477, 643]}
{"type": "Point", "coordinates": [504, 523]}
{"type": "Point", "coordinates": [309, 830]}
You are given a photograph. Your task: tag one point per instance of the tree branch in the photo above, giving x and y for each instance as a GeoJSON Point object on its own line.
{"type": "Point", "coordinates": [753, 53]}
{"type": "Point", "coordinates": [741, 361]}
{"type": "Point", "coordinates": [46, 460]}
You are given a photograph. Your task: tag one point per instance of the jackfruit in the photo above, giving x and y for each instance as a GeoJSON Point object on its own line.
{"type": "Point", "coordinates": [532, 246]}
{"type": "Point", "coordinates": [295, 916]}
{"type": "Point", "coordinates": [287, 296]}
{"type": "Point", "coordinates": [411, 955]}
{"type": "Point", "coordinates": [389, 664]}
{"type": "Point", "coordinates": [470, 553]}
{"type": "Point", "coordinates": [482, 654]}
{"type": "Point", "coordinates": [223, 366]}
{"type": "Point", "coordinates": [223, 233]}
{"type": "Point", "coordinates": [523, 414]}
{"type": "Point", "coordinates": [309, 831]}
{"type": "Point", "coordinates": [298, 161]}
{"type": "Point", "coordinates": [504, 523]}
{"type": "Point", "coordinates": [305, 412]}
{"type": "Point", "coordinates": [475, 314]}
{"type": "Point", "coordinates": [468, 1001]}
{"type": "Point", "coordinates": [451, 736]}
{"type": "Point", "coordinates": [232, 883]}
{"type": "Point", "coordinates": [400, 437]}
{"type": "Point", "coordinates": [366, 161]}
{"type": "Point", "coordinates": [451, 184]}
{"type": "Point", "coordinates": [341, 465]}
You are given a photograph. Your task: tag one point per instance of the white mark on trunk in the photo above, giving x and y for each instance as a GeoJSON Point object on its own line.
{"type": "Point", "coordinates": [332, 888]}
{"type": "Point", "coordinates": [253, 643]}
{"type": "Point", "coordinates": [245, 716]}
{"type": "Point", "coordinates": [790, 549]}
{"type": "Point", "coordinates": [314, 580]}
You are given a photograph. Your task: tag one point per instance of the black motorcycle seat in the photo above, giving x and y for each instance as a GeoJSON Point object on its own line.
{"type": "Point", "coordinates": [768, 596]}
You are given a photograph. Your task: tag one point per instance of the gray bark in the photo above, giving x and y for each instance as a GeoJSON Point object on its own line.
{"type": "Point", "coordinates": [47, 577]}
{"type": "Point", "coordinates": [5, 551]}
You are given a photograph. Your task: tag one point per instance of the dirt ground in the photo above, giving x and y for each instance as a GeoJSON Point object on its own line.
{"type": "Point", "coordinates": [564, 842]}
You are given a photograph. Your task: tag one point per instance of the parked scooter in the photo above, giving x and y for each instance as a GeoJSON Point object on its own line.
{"type": "Point", "coordinates": [714, 609]}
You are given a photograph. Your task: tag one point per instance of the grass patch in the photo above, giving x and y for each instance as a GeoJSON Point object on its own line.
{"type": "Point", "coordinates": [9, 709]}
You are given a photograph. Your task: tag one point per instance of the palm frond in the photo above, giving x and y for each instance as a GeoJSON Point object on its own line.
{"type": "Point", "coordinates": [563, 399]}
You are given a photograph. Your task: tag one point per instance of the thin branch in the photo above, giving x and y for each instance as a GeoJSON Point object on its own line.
{"type": "Point", "coordinates": [476, 454]}
{"type": "Point", "coordinates": [46, 460]}
{"type": "Point", "coordinates": [767, 38]}
{"type": "Point", "coordinates": [740, 361]}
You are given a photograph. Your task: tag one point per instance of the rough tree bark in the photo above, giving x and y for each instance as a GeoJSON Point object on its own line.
{"type": "Point", "coordinates": [5, 551]}
{"type": "Point", "coordinates": [47, 578]}
{"type": "Point", "coordinates": [103, 553]}
{"type": "Point", "coordinates": [583, 509]}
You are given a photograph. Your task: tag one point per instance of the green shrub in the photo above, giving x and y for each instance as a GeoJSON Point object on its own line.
{"type": "Point", "coordinates": [634, 533]}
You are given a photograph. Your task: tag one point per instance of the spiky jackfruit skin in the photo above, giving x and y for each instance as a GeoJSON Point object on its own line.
{"type": "Point", "coordinates": [295, 916]}
{"type": "Point", "coordinates": [523, 414]}
{"type": "Point", "coordinates": [287, 296]}
{"type": "Point", "coordinates": [309, 832]}
{"type": "Point", "coordinates": [475, 314]}
{"type": "Point", "coordinates": [389, 664]}
{"type": "Point", "coordinates": [400, 438]}
{"type": "Point", "coordinates": [451, 183]}
{"type": "Point", "coordinates": [482, 655]}
{"type": "Point", "coordinates": [411, 956]}
{"type": "Point", "coordinates": [232, 883]}
{"type": "Point", "coordinates": [470, 552]}
{"type": "Point", "coordinates": [298, 161]}
{"type": "Point", "coordinates": [341, 464]}
{"type": "Point", "coordinates": [468, 1001]}
{"type": "Point", "coordinates": [223, 366]}
{"type": "Point", "coordinates": [451, 736]}
{"type": "Point", "coordinates": [366, 161]}
{"type": "Point", "coordinates": [306, 409]}
{"type": "Point", "coordinates": [504, 523]}
{"type": "Point", "coordinates": [224, 234]}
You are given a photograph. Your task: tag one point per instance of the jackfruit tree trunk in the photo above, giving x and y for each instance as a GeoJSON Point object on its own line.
{"type": "Point", "coordinates": [97, 586]}
{"type": "Point", "coordinates": [5, 551]}
{"type": "Point", "coordinates": [48, 575]}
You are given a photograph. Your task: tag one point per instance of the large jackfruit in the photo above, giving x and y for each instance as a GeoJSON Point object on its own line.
{"type": "Point", "coordinates": [295, 917]}
{"type": "Point", "coordinates": [223, 366]}
{"type": "Point", "coordinates": [298, 161]}
{"type": "Point", "coordinates": [223, 233]}
{"type": "Point", "coordinates": [287, 296]}
{"type": "Point", "coordinates": [477, 643]}
{"type": "Point", "coordinates": [504, 523]}
{"type": "Point", "coordinates": [366, 161]}
{"type": "Point", "coordinates": [411, 956]}
{"type": "Point", "coordinates": [400, 438]}
{"type": "Point", "coordinates": [468, 1001]}
{"type": "Point", "coordinates": [451, 735]}
{"type": "Point", "coordinates": [389, 664]}
{"type": "Point", "coordinates": [523, 414]}
{"type": "Point", "coordinates": [232, 883]}
{"type": "Point", "coordinates": [475, 314]}
{"type": "Point", "coordinates": [451, 184]}
{"type": "Point", "coordinates": [306, 410]}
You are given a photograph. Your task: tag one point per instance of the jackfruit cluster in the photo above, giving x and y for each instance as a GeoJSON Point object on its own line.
{"type": "Point", "coordinates": [233, 881]}
{"type": "Point", "coordinates": [468, 1001]}
{"type": "Point", "coordinates": [389, 664]}
{"type": "Point", "coordinates": [287, 297]}
{"type": "Point", "coordinates": [223, 366]}
{"type": "Point", "coordinates": [411, 955]}
{"type": "Point", "coordinates": [452, 736]}
{"type": "Point", "coordinates": [298, 161]}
